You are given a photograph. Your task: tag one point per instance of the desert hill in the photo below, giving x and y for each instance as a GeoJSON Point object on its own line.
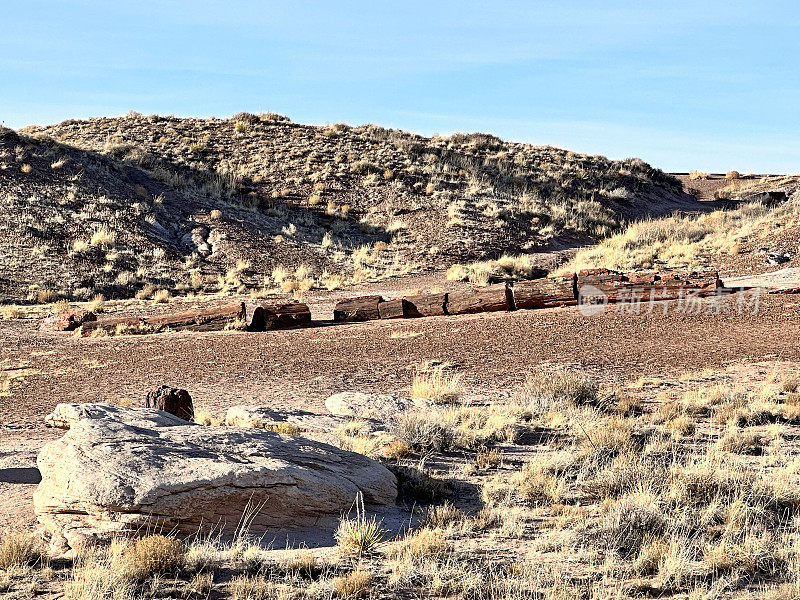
{"type": "Point", "coordinates": [130, 205]}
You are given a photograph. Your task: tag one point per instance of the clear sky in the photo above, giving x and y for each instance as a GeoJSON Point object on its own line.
{"type": "Point", "coordinates": [685, 85]}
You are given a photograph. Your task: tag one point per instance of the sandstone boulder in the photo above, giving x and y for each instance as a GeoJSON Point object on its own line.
{"type": "Point", "coordinates": [131, 474]}
{"type": "Point", "coordinates": [381, 407]}
{"type": "Point", "coordinates": [65, 415]}
{"type": "Point", "coordinates": [172, 400]}
{"type": "Point", "coordinates": [265, 417]}
{"type": "Point", "coordinates": [67, 320]}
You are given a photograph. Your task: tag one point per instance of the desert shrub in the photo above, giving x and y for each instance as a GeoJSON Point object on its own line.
{"type": "Point", "coordinates": [424, 432]}
{"type": "Point", "coordinates": [154, 554]}
{"type": "Point", "coordinates": [419, 545]}
{"type": "Point", "coordinates": [249, 587]}
{"type": "Point", "coordinates": [443, 515]}
{"type": "Point", "coordinates": [359, 536]}
{"type": "Point", "coordinates": [103, 238]}
{"type": "Point", "coordinates": [415, 485]}
{"type": "Point", "coordinates": [545, 389]}
{"type": "Point", "coordinates": [20, 548]}
{"type": "Point", "coordinates": [355, 584]}
{"type": "Point", "coordinates": [46, 296]}
{"type": "Point", "coordinates": [437, 385]}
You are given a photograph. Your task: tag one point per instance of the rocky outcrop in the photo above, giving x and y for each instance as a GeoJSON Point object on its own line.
{"type": "Point", "coordinates": [135, 471]}
{"type": "Point", "coordinates": [65, 415]}
{"type": "Point", "coordinates": [172, 400]}
{"type": "Point", "coordinates": [380, 407]}
{"type": "Point", "coordinates": [266, 417]}
{"type": "Point", "coordinates": [67, 320]}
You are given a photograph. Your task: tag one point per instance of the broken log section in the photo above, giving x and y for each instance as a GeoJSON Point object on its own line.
{"type": "Point", "coordinates": [546, 292]}
{"type": "Point", "coordinates": [621, 287]}
{"type": "Point", "coordinates": [252, 317]}
{"type": "Point", "coordinates": [489, 299]}
{"type": "Point", "coordinates": [363, 308]}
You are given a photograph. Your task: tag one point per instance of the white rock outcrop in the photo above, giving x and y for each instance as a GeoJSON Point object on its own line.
{"type": "Point", "coordinates": [132, 471]}
{"type": "Point", "coordinates": [381, 407]}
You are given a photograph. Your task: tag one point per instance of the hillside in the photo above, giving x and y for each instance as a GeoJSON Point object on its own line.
{"type": "Point", "coordinates": [125, 206]}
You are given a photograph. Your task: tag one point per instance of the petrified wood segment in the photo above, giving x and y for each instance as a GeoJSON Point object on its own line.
{"type": "Point", "coordinates": [256, 317]}
{"type": "Point", "coordinates": [622, 287]}
{"type": "Point", "coordinates": [489, 299]}
{"type": "Point", "coordinates": [393, 309]}
{"type": "Point", "coordinates": [546, 292]}
{"type": "Point", "coordinates": [426, 305]}
{"type": "Point", "coordinates": [364, 308]}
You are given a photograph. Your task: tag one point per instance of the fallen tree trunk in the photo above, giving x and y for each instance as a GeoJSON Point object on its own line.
{"type": "Point", "coordinates": [489, 299]}
{"type": "Point", "coordinates": [363, 308]}
{"type": "Point", "coordinates": [202, 319]}
{"type": "Point", "coordinates": [621, 287]}
{"type": "Point", "coordinates": [426, 305]}
{"type": "Point", "coordinates": [393, 309]}
{"type": "Point", "coordinates": [546, 292]}
{"type": "Point", "coordinates": [252, 317]}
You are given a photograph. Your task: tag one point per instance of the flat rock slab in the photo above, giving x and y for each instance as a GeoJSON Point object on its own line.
{"type": "Point", "coordinates": [264, 416]}
{"type": "Point", "coordinates": [107, 477]}
{"type": "Point", "coordinates": [783, 280]}
{"type": "Point", "coordinates": [380, 407]}
{"type": "Point", "coordinates": [64, 415]}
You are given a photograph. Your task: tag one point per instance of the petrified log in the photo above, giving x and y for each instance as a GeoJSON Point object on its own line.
{"type": "Point", "coordinates": [363, 308]}
{"type": "Point", "coordinates": [489, 299]}
{"type": "Point", "coordinates": [175, 401]}
{"type": "Point", "coordinates": [621, 287]}
{"type": "Point", "coordinates": [426, 305]}
{"type": "Point", "coordinates": [67, 320]}
{"type": "Point", "coordinates": [203, 319]}
{"type": "Point", "coordinates": [392, 309]}
{"type": "Point", "coordinates": [279, 315]}
{"type": "Point", "coordinates": [546, 292]}
{"type": "Point", "coordinates": [110, 326]}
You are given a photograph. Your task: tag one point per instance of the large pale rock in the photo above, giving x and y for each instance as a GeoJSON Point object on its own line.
{"type": "Point", "coordinates": [65, 415]}
{"type": "Point", "coordinates": [265, 417]}
{"type": "Point", "coordinates": [123, 476]}
{"type": "Point", "coordinates": [381, 407]}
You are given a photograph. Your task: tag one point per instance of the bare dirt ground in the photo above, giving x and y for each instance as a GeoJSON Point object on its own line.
{"type": "Point", "coordinates": [493, 351]}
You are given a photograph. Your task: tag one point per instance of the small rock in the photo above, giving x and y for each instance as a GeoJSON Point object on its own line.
{"type": "Point", "coordinates": [172, 400]}
{"type": "Point", "coordinates": [381, 407]}
{"type": "Point", "coordinates": [67, 320]}
{"type": "Point", "coordinates": [778, 258]}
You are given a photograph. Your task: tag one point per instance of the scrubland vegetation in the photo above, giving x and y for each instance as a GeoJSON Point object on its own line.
{"type": "Point", "coordinates": [127, 204]}
{"type": "Point", "coordinates": [571, 490]}
{"type": "Point", "coordinates": [690, 241]}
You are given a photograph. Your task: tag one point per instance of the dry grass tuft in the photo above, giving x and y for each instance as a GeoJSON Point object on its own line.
{"type": "Point", "coordinates": [356, 584]}
{"type": "Point", "coordinates": [20, 548]}
{"type": "Point", "coordinates": [437, 385]}
{"type": "Point", "coordinates": [154, 554]}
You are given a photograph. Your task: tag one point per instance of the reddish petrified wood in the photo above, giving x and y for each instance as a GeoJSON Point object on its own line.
{"type": "Point", "coordinates": [546, 292]}
{"type": "Point", "coordinates": [172, 400]}
{"type": "Point", "coordinates": [621, 287]}
{"type": "Point", "coordinates": [489, 299]}
{"type": "Point", "coordinates": [393, 309]}
{"type": "Point", "coordinates": [363, 308]}
{"type": "Point", "coordinates": [280, 315]}
{"type": "Point", "coordinates": [426, 305]}
{"type": "Point", "coordinates": [66, 320]}
{"type": "Point", "coordinates": [203, 319]}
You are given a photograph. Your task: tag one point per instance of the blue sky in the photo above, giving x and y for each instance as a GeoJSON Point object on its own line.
{"type": "Point", "coordinates": [684, 85]}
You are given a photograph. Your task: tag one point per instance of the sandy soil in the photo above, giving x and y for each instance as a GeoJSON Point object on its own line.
{"type": "Point", "coordinates": [494, 351]}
